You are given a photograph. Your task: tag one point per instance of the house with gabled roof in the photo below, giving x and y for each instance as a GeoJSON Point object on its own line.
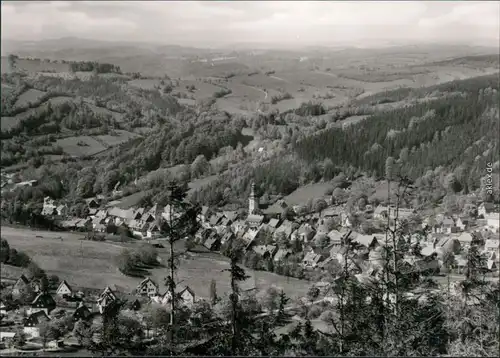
{"type": "Point", "coordinates": [92, 203]}
{"type": "Point", "coordinates": [369, 241]}
{"type": "Point", "coordinates": [106, 298]}
{"type": "Point", "coordinates": [215, 219]}
{"type": "Point", "coordinates": [33, 321]}
{"type": "Point", "coordinates": [462, 223]}
{"type": "Point", "coordinates": [187, 296]}
{"type": "Point", "coordinates": [311, 259]}
{"type": "Point", "coordinates": [486, 208]}
{"type": "Point", "coordinates": [285, 229]}
{"type": "Point", "coordinates": [42, 302]}
{"type": "Point", "coordinates": [250, 235]}
{"type": "Point", "coordinates": [304, 233]}
{"type": "Point", "coordinates": [492, 221]}
{"type": "Point", "coordinates": [281, 255]}
{"type": "Point", "coordinates": [231, 215]}
{"type": "Point", "coordinates": [147, 287]}
{"type": "Point", "coordinates": [465, 239]}
{"type": "Point", "coordinates": [448, 244]}
{"type": "Point", "coordinates": [266, 251]}
{"type": "Point", "coordinates": [64, 289]}
{"type": "Point", "coordinates": [21, 284]}
{"type": "Point", "coordinates": [227, 237]}
{"type": "Point", "coordinates": [255, 220]}
{"type": "Point", "coordinates": [153, 230]}
{"type": "Point", "coordinates": [335, 237]}
{"type": "Point", "coordinates": [82, 312]}
{"type": "Point", "coordinates": [274, 223]}
{"type": "Point", "coordinates": [491, 245]}
{"type": "Point", "coordinates": [213, 241]}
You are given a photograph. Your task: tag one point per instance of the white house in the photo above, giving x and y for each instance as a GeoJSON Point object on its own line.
{"type": "Point", "coordinates": [106, 298]}
{"type": "Point", "coordinates": [493, 221]}
{"type": "Point", "coordinates": [485, 208]}
{"type": "Point", "coordinates": [147, 287]}
{"type": "Point", "coordinates": [311, 259]}
{"type": "Point", "coordinates": [187, 296]}
{"type": "Point", "coordinates": [64, 289]}
{"type": "Point", "coordinates": [33, 321]}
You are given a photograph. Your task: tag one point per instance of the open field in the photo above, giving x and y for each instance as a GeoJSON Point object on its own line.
{"type": "Point", "coordinates": [8, 122]}
{"type": "Point", "coordinates": [199, 183]}
{"type": "Point", "coordinates": [146, 84]}
{"type": "Point", "coordinates": [303, 194]}
{"type": "Point", "coordinates": [131, 200]}
{"type": "Point", "coordinates": [71, 146]}
{"type": "Point", "coordinates": [90, 264]}
{"type": "Point", "coordinates": [34, 66]}
{"type": "Point", "coordinates": [202, 89]}
{"type": "Point", "coordinates": [112, 140]}
{"type": "Point", "coordinates": [30, 96]}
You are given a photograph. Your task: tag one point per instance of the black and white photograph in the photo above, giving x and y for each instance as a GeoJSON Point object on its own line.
{"type": "Point", "coordinates": [250, 178]}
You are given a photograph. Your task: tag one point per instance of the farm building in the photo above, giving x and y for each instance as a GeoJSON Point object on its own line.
{"type": "Point", "coordinates": [147, 287]}
{"type": "Point", "coordinates": [64, 289]}
{"type": "Point", "coordinates": [33, 321]}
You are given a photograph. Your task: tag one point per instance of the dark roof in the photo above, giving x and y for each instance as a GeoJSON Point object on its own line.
{"type": "Point", "coordinates": [36, 318]}
{"type": "Point", "coordinates": [43, 300]}
{"type": "Point", "coordinates": [23, 279]}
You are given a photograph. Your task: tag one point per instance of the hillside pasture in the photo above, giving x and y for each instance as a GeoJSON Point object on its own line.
{"type": "Point", "coordinates": [202, 89]}
{"type": "Point", "coordinates": [7, 123]}
{"type": "Point", "coordinates": [90, 264]}
{"type": "Point", "coordinates": [80, 262]}
{"type": "Point", "coordinates": [146, 84]}
{"type": "Point", "coordinates": [30, 96]}
{"type": "Point", "coordinates": [121, 136]}
{"type": "Point", "coordinates": [36, 66]}
{"type": "Point", "coordinates": [246, 92]}
{"type": "Point", "coordinates": [234, 105]}
{"type": "Point", "coordinates": [312, 191]}
{"type": "Point", "coordinates": [199, 183]}
{"type": "Point", "coordinates": [72, 147]}
{"type": "Point", "coordinates": [105, 112]}
{"type": "Point", "coordinates": [5, 66]}
{"type": "Point", "coordinates": [132, 200]}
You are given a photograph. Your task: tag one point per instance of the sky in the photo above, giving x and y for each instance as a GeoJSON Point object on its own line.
{"type": "Point", "coordinates": [271, 22]}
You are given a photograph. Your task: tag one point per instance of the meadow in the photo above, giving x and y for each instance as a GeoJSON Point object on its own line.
{"type": "Point", "coordinates": [312, 191]}
{"type": "Point", "coordinates": [113, 140]}
{"type": "Point", "coordinates": [74, 146]}
{"type": "Point", "coordinates": [30, 96]}
{"type": "Point", "coordinates": [90, 264]}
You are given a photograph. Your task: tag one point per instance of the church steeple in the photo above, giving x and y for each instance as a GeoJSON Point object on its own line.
{"type": "Point", "coordinates": [253, 202]}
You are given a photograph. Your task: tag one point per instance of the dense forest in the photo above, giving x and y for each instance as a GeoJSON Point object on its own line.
{"type": "Point", "coordinates": [456, 133]}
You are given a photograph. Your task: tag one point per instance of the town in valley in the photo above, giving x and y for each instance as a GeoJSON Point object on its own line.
{"type": "Point", "coordinates": [251, 195]}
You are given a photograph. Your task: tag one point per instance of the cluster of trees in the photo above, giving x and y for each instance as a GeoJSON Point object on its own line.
{"type": "Point", "coordinates": [222, 92]}
{"type": "Point", "coordinates": [133, 262]}
{"type": "Point", "coordinates": [172, 145]}
{"type": "Point", "coordinates": [281, 97]}
{"type": "Point", "coordinates": [97, 67]}
{"type": "Point", "coordinates": [12, 256]}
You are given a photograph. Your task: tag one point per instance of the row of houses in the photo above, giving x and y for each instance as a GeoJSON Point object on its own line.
{"type": "Point", "coordinates": [41, 309]}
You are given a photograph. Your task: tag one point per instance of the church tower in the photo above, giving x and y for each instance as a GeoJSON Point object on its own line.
{"type": "Point", "coordinates": [253, 201]}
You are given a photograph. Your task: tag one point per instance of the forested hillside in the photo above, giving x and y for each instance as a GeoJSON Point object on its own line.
{"type": "Point", "coordinates": [458, 133]}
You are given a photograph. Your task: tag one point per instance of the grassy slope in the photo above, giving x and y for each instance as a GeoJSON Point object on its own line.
{"type": "Point", "coordinates": [90, 264]}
